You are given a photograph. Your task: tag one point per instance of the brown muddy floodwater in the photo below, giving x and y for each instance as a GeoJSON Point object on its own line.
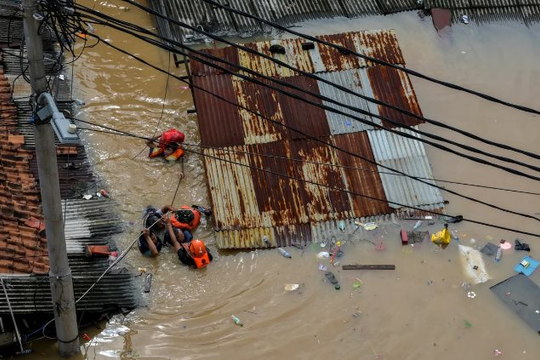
{"type": "Point", "coordinates": [416, 312]}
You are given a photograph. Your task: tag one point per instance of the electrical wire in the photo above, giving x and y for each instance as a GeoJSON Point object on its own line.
{"type": "Point", "coordinates": [125, 133]}
{"type": "Point", "coordinates": [372, 59]}
{"type": "Point", "coordinates": [321, 141]}
{"type": "Point", "coordinates": [271, 156]}
{"type": "Point", "coordinates": [295, 96]}
{"type": "Point", "coordinates": [335, 85]}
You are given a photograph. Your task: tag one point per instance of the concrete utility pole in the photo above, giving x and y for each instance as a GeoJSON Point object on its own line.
{"type": "Point", "coordinates": [60, 273]}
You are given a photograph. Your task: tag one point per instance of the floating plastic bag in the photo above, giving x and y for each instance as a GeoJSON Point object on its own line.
{"type": "Point", "coordinates": [473, 265]}
{"type": "Point", "coordinates": [442, 237]}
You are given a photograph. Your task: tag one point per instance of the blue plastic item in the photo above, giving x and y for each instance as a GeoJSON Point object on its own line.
{"type": "Point", "coordinates": [533, 264]}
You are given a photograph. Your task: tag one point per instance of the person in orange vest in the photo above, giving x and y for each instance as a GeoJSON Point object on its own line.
{"type": "Point", "coordinates": [192, 253]}
{"type": "Point", "coordinates": [189, 217]}
{"type": "Point", "coordinates": [168, 144]}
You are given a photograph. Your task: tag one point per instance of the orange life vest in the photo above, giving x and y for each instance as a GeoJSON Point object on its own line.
{"type": "Point", "coordinates": [182, 219]}
{"type": "Point", "coordinates": [202, 261]}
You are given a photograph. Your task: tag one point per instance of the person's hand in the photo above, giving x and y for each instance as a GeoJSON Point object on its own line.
{"type": "Point", "coordinates": [146, 232]}
{"type": "Point", "coordinates": [166, 220]}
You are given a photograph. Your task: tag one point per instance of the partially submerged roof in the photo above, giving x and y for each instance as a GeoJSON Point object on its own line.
{"type": "Point", "coordinates": [216, 20]}
{"type": "Point", "coordinates": [279, 170]}
{"type": "Point", "coordinates": [24, 262]}
{"type": "Point", "coordinates": [522, 296]}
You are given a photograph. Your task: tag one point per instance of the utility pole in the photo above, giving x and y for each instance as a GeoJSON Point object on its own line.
{"type": "Point", "coordinates": [60, 278]}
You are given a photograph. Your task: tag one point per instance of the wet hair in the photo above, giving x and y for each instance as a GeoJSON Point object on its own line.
{"type": "Point", "coordinates": [153, 220]}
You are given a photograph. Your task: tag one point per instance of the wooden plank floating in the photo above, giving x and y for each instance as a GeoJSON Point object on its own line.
{"type": "Point", "coordinates": [369, 267]}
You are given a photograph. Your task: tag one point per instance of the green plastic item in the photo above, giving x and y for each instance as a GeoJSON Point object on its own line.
{"type": "Point", "coordinates": [337, 287]}
{"type": "Point", "coordinates": [467, 324]}
{"type": "Point", "coordinates": [356, 285]}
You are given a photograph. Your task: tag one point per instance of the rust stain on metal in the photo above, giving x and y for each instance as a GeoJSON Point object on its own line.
{"type": "Point", "coordinates": [264, 101]}
{"type": "Point", "coordinates": [229, 54]}
{"type": "Point", "coordinates": [394, 87]}
{"type": "Point", "coordinates": [300, 115]}
{"type": "Point", "coordinates": [335, 60]}
{"type": "Point", "coordinates": [361, 176]}
{"type": "Point", "coordinates": [219, 121]}
{"type": "Point", "coordinates": [381, 44]}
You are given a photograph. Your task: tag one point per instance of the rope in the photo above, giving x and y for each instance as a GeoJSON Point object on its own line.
{"type": "Point", "coordinates": [12, 316]}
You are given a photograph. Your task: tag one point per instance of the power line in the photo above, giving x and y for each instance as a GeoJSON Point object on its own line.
{"type": "Point", "coordinates": [319, 140]}
{"type": "Point", "coordinates": [335, 85]}
{"type": "Point", "coordinates": [272, 156]}
{"type": "Point", "coordinates": [120, 132]}
{"type": "Point", "coordinates": [372, 59]}
{"type": "Point", "coordinates": [251, 79]}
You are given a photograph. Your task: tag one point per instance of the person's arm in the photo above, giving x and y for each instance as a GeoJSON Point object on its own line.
{"type": "Point", "coordinates": [151, 142]}
{"type": "Point", "coordinates": [153, 249]}
{"type": "Point", "coordinates": [166, 208]}
{"type": "Point", "coordinates": [172, 235]}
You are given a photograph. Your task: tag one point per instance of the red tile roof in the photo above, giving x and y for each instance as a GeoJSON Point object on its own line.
{"type": "Point", "coordinates": [23, 248]}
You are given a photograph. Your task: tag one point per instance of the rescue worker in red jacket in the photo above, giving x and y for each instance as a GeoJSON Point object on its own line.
{"type": "Point", "coordinates": [193, 253]}
{"type": "Point", "coordinates": [168, 144]}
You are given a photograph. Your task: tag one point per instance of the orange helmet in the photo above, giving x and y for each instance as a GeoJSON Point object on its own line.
{"type": "Point", "coordinates": [197, 248]}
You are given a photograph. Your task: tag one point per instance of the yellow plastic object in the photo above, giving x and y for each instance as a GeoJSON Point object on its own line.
{"type": "Point", "coordinates": [441, 237]}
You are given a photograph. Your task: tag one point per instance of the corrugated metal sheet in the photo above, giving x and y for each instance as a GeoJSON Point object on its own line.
{"type": "Point", "coordinates": [229, 54]}
{"type": "Point", "coordinates": [361, 176]}
{"type": "Point", "coordinates": [300, 115]}
{"type": "Point", "coordinates": [380, 44]}
{"type": "Point", "coordinates": [264, 101]}
{"type": "Point", "coordinates": [264, 237]}
{"type": "Point", "coordinates": [219, 122]}
{"type": "Point", "coordinates": [408, 156]}
{"type": "Point", "coordinates": [32, 294]}
{"type": "Point", "coordinates": [393, 87]}
{"type": "Point", "coordinates": [86, 219]}
{"type": "Point", "coordinates": [352, 80]}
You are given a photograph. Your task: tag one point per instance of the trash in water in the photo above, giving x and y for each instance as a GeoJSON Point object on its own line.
{"type": "Point", "coordinates": [441, 237]}
{"type": "Point", "coordinates": [471, 294]}
{"type": "Point", "coordinates": [380, 246]}
{"type": "Point", "coordinates": [284, 252]}
{"type": "Point", "coordinates": [521, 246]}
{"type": "Point", "coordinates": [505, 245]}
{"type": "Point", "coordinates": [466, 285]}
{"type": "Point", "coordinates": [87, 197]}
{"type": "Point", "coordinates": [142, 270]}
{"type": "Point", "coordinates": [417, 225]}
{"type": "Point", "coordinates": [322, 267]}
{"type": "Point", "coordinates": [498, 256]}
{"type": "Point", "coordinates": [323, 244]}
{"type": "Point", "coordinates": [323, 255]}
{"type": "Point", "coordinates": [292, 287]}
{"type": "Point", "coordinates": [367, 226]}
{"type": "Point", "coordinates": [467, 324]}
{"type": "Point", "coordinates": [473, 264]}
{"type": "Point", "coordinates": [331, 278]}
{"type": "Point", "coordinates": [465, 19]}
{"type": "Point", "coordinates": [489, 249]}
{"type": "Point", "coordinates": [342, 225]}
{"type": "Point", "coordinates": [104, 193]}
{"type": "Point", "coordinates": [357, 284]}
{"type": "Point", "coordinates": [236, 320]}
{"type": "Point", "coordinates": [527, 265]}
{"type": "Point", "coordinates": [497, 352]}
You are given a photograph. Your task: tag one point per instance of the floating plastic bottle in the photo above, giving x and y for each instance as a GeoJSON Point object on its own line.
{"type": "Point", "coordinates": [499, 254]}
{"type": "Point", "coordinates": [236, 320]}
{"type": "Point", "coordinates": [284, 252]}
{"type": "Point", "coordinates": [417, 225]}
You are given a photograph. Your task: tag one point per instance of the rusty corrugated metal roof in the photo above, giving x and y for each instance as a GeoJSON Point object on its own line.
{"type": "Point", "coordinates": [219, 122]}
{"type": "Point", "coordinates": [252, 205]}
{"type": "Point", "coordinates": [394, 87]}
{"type": "Point", "coordinates": [380, 44]}
{"type": "Point", "coordinates": [362, 176]}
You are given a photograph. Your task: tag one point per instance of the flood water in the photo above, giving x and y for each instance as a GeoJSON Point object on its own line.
{"type": "Point", "coordinates": [419, 311]}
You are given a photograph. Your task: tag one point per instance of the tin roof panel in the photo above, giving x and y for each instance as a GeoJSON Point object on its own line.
{"type": "Point", "coordinates": [352, 80]}
{"type": "Point", "coordinates": [219, 121]}
{"type": "Point", "coordinates": [361, 176]}
{"type": "Point", "coordinates": [408, 156]}
{"type": "Point", "coordinates": [394, 88]}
